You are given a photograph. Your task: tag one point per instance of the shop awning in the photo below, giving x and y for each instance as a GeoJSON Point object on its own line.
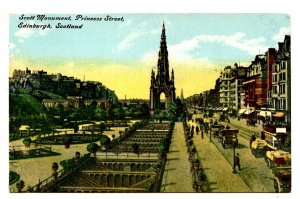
{"type": "Point", "coordinates": [249, 81]}
{"type": "Point", "coordinates": [248, 112]}
{"type": "Point", "coordinates": [265, 113]}
{"type": "Point", "coordinates": [279, 114]}
{"type": "Point", "coordinates": [242, 110]}
{"type": "Point", "coordinates": [280, 130]}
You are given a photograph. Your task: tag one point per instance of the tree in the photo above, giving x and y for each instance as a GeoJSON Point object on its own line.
{"type": "Point", "coordinates": [135, 148]}
{"type": "Point", "coordinates": [91, 110]}
{"type": "Point", "coordinates": [171, 110]}
{"type": "Point", "coordinates": [179, 107]}
{"type": "Point", "coordinates": [92, 148]}
{"type": "Point", "coordinates": [67, 141]}
{"type": "Point", "coordinates": [163, 146]}
{"type": "Point", "coordinates": [61, 112]}
{"type": "Point", "coordinates": [27, 141]}
{"type": "Point", "coordinates": [102, 127]}
{"type": "Point", "coordinates": [104, 140]}
{"type": "Point", "coordinates": [101, 114]}
{"type": "Point", "coordinates": [76, 127]}
{"type": "Point", "coordinates": [111, 113]}
{"type": "Point", "coordinates": [120, 112]}
{"type": "Point", "coordinates": [145, 110]}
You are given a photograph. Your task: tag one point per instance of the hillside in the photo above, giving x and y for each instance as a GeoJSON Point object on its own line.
{"type": "Point", "coordinates": [42, 85]}
{"type": "Point", "coordinates": [39, 94]}
{"type": "Point", "coordinates": [24, 104]}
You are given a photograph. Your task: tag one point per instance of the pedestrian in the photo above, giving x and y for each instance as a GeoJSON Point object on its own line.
{"type": "Point", "coordinates": [202, 133]}
{"type": "Point", "coordinates": [192, 131]}
{"type": "Point", "coordinates": [237, 161]}
{"type": "Point", "coordinates": [253, 138]}
{"type": "Point", "coordinates": [197, 129]}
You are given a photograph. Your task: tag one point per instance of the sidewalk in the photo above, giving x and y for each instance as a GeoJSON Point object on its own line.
{"type": "Point", "coordinates": [177, 176]}
{"type": "Point", "coordinates": [217, 169]}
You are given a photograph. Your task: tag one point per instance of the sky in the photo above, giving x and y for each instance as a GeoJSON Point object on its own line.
{"type": "Point", "coordinates": [121, 54]}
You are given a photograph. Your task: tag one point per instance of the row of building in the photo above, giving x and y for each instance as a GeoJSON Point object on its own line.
{"type": "Point", "coordinates": [74, 102]}
{"type": "Point", "coordinates": [264, 85]}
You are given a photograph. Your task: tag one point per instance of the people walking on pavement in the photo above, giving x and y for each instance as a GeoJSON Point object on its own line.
{"type": "Point", "coordinates": [192, 131]}
{"type": "Point", "coordinates": [237, 161]}
{"type": "Point", "coordinates": [197, 129]}
{"type": "Point", "coordinates": [253, 138]}
{"type": "Point", "coordinates": [202, 133]}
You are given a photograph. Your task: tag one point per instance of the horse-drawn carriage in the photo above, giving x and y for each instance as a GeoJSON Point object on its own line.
{"type": "Point", "coordinates": [216, 129]}
{"type": "Point", "coordinates": [251, 122]}
{"type": "Point", "coordinates": [228, 137]}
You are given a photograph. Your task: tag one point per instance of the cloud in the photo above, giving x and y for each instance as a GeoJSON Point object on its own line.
{"type": "Point", "coordinates": [43, 32]}
{"type": "Point", "coordinates": [12, 46]}
{"type": "Point", "coordinates": [132, 38]}
{"type": "Point", "coordinates": [28, 32]}
{"type": "Point", "coordinates": [237, 40]}
{"type": "Point", "coordinates": [126, 24]}
{"type": "Point", "coordinates": [155, 31]}
{"type": "Point", "coordinates": [24, 33]}
{"type": "Point", "coordinates": [128, 41]}
{"type": "Point", "coordinates": [282, 32]}
{"type": "Point", "coordinates": [183, 50]}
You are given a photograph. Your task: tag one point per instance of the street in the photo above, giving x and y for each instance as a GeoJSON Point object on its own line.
{"type": "Point", "coordinates": [254, 171]}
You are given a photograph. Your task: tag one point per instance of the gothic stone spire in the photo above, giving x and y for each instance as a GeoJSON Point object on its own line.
{"type": "Point", "coordinates": [163, 62]}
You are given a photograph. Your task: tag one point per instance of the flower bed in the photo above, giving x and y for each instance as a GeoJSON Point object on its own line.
{"type": "Point", "coordinates": [13, 177]}
{"type": "Point", "coordinates": [32, 153]}
{"type": "Point", "coordinates": [74, 139]}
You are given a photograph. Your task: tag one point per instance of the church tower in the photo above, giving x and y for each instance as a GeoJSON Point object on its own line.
{"type": "Point", "coordinates": [162, 83]}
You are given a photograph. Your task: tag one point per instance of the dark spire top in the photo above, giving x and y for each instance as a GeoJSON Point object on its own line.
{"type": "Point", "coordinates": [163, 62]}
{"type": "Point", "coordinates": [163, 33]}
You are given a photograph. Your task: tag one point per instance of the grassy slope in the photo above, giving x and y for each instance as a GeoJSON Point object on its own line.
{"type": "Point", "coordinates": [24, 104]}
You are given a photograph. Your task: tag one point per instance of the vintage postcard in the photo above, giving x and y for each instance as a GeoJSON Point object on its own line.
{"type": "Point", "coordinates": [131, 103]}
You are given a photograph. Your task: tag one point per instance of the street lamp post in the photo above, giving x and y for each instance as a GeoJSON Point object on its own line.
{"type": "Point", "coordinates": [233, 166]}
{"type": "Point", "coordinates": [210, 124]}
{"type": "Point", "coordinates": [210, 134]}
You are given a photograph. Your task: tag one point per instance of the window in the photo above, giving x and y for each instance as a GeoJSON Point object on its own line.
{"type": "Point", "coordinates": [275, 66]}
{"type": "Point", "coordinates": [282, 89]}
{"type": "Point", "coordinates": [283, 65]}
{"type": "Point", "coordinates": [280, 76]}
{"type": "Point", "coordinates": [283, 76]}
{"type": "Point", "coordinates": [274, 89]}
{"type": "Point", "coordinates": [275, 78]}
{"type": "Point", "coordinates": [283, 104]}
